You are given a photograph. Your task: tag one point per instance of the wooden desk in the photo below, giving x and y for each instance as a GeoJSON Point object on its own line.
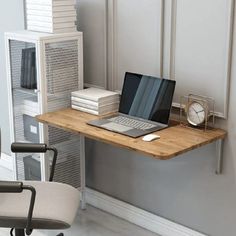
{"type": "Point", "coordinates": [174, 140]}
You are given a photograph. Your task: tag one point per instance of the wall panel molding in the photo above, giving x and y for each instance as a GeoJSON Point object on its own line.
{"type": "Point", "coordinates": [222, 112]}
{"type": "Point", "coordinates": [113, 37]}
{"type": "Point", "coordinates": [162, 30]}
{"type": "Point", "coordinates": [93, 20]}
{"type": "Point", "coordinates": [172, 39]}
{"type": "Point", "coordinates": [112, 43]}
{"type": "Point", "coordinates": [106, 44]}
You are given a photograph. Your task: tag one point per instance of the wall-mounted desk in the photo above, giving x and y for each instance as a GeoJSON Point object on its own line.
{"type": "Point", "coordinates": [175, 140]}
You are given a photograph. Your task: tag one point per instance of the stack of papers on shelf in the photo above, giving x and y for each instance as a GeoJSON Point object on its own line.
{"type": "Point", "coordinates": [51, 16]}
{"type": "Point", "coordinates": [30, 107]}
{"type": "Point", "coordinates": [95, 101]}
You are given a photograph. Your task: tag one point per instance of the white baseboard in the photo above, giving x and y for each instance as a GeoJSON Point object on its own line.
{"type": "Point", "coordinates": [137, 216]}
{"type": "Point", "coordinates": [6, 161]}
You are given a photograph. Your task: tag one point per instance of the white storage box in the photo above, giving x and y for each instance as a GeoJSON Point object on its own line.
{"type": "Point", "coordinates": [51, 16]}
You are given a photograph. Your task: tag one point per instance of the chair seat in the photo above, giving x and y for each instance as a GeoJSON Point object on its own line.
{"type": "Point", "coordinates": [55, 206]}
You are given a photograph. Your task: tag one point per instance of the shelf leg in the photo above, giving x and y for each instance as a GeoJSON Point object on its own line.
{"type": "Point", "coordinates": [82, 172]}
{"type": "Point", "coordinates": [219, 152]}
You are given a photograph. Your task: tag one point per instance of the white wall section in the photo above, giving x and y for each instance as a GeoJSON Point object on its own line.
{"type": "Point", "coordinates": [202, 46]}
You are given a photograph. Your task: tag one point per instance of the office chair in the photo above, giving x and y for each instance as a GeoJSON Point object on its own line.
{"type": "Point", "coordinates": [29, 205]}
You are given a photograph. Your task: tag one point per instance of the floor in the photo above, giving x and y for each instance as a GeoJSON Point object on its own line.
{"type": "Point", "coordinates": [92, 222]}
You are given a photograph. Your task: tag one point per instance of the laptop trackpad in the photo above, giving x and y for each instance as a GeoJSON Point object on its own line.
{"type": "Point", "coordinates": [116, 127]}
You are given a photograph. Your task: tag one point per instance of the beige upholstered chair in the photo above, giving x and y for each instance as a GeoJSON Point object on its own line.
{"type": "Point", "coordinates": [29, 205]}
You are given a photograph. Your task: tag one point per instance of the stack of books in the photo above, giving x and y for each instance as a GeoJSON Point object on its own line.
{"type": "Point", "coordinates": [51, 16]}
{"type": "Point", "coordinates": [30, 107]}
{"type": "Point", "coordinates": [95, 101]}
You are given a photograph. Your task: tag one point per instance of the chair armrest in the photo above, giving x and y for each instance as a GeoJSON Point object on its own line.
{"type": "Point", "coordinates": [11, 187]}
{"type": "Point", "coordinates": [36, 148]}
{"type": "Point", "coordinates": [18, 187]}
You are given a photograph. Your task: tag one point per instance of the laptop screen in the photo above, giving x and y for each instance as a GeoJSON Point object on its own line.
{"type": "Point", "coordinates": [147, 97]}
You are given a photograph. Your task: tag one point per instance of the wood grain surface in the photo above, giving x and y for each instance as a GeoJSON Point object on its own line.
{"type": "Point", "coordinates": [174, 140]}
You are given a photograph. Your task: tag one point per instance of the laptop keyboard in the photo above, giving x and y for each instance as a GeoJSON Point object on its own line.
{"type": "Point", "coordinates": [136, 124]}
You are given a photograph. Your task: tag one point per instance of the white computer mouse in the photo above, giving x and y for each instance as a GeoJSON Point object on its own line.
{"type": "Point", "coordinates": [150, 137]}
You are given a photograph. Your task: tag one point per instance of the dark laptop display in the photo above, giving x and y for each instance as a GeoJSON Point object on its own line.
{"type": "Point", "coordinates": [147, 97]}
{"type": "Point", "coordinates": [144, 107]}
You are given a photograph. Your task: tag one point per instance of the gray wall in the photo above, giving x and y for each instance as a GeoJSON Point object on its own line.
{"type": "Point", "coordinates": [184, 189]}
{"type": "Point", "coordinates": [11, 18]}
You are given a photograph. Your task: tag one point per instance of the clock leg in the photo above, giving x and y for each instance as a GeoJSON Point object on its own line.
{"type": "Point", "coordinates": [219, 153]}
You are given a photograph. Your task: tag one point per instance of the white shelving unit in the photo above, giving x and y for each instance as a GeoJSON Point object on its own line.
{"type": "Point", "coordinates": [56, 63]}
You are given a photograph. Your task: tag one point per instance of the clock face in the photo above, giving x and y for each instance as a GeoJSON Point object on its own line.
{"type": "Point", "coordinates": [196, 113]}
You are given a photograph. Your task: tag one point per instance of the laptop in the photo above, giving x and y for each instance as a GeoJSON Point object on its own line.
{"type": "Point", "coordinates": [145, 106]}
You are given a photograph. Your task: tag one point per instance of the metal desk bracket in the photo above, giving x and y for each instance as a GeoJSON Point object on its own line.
{"type": "Point", "coordinates": [219, 153]}
{"type": "Point", "coordinates": [82, 173]}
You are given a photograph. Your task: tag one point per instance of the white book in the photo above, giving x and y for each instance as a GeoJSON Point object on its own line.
{"type": "Point", "coordinates": [50, 13]}
{"type": "Point", "coordinates": [51, 19]}
{"type": "Point", "coordinates": [101, 110]}
{"type": "Point", "coordinates": [33, 101]}
{"type": "Point", "coordinates": [30, 113]}
{"type": "Point", "coordinates": [51, 30]}
{"type": "Point", "coordinates": [96, 104]}
{"type": "Point", "coordinates": [52, 2]}
{"type": "Point", "coordinates": [84, 110]}
{"type": "Point", "coordinates": [32, 107]}
{"type": "Point", "coordinates": [39, 7]}
{"type": "Point", "coordinates": [108, 109]}
{"type": "Point", "coordinates": [91, 111]}
{"type": "Point", "coordinates": [95, 108]}
{"type": "Point", "coordinates": [51, 24]}
{"type": "Point", "coordinates": [49, 8]}
{"type": "Point", "coordinates": [65, 30]}
{"type": "Point", "coordinates": [95, 94]}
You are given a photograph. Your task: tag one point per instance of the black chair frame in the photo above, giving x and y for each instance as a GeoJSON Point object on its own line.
{"type": "Point", "coordinates": [18, 187]}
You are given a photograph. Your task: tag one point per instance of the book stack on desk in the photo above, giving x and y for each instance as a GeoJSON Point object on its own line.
{"type": "Point", "coordinates": [51, 16]}
{"type": "Point", "coordinates": [95, 101]}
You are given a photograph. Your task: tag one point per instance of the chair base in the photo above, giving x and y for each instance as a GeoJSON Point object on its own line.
{"type": "Point", "coordinates": [19, 232]}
